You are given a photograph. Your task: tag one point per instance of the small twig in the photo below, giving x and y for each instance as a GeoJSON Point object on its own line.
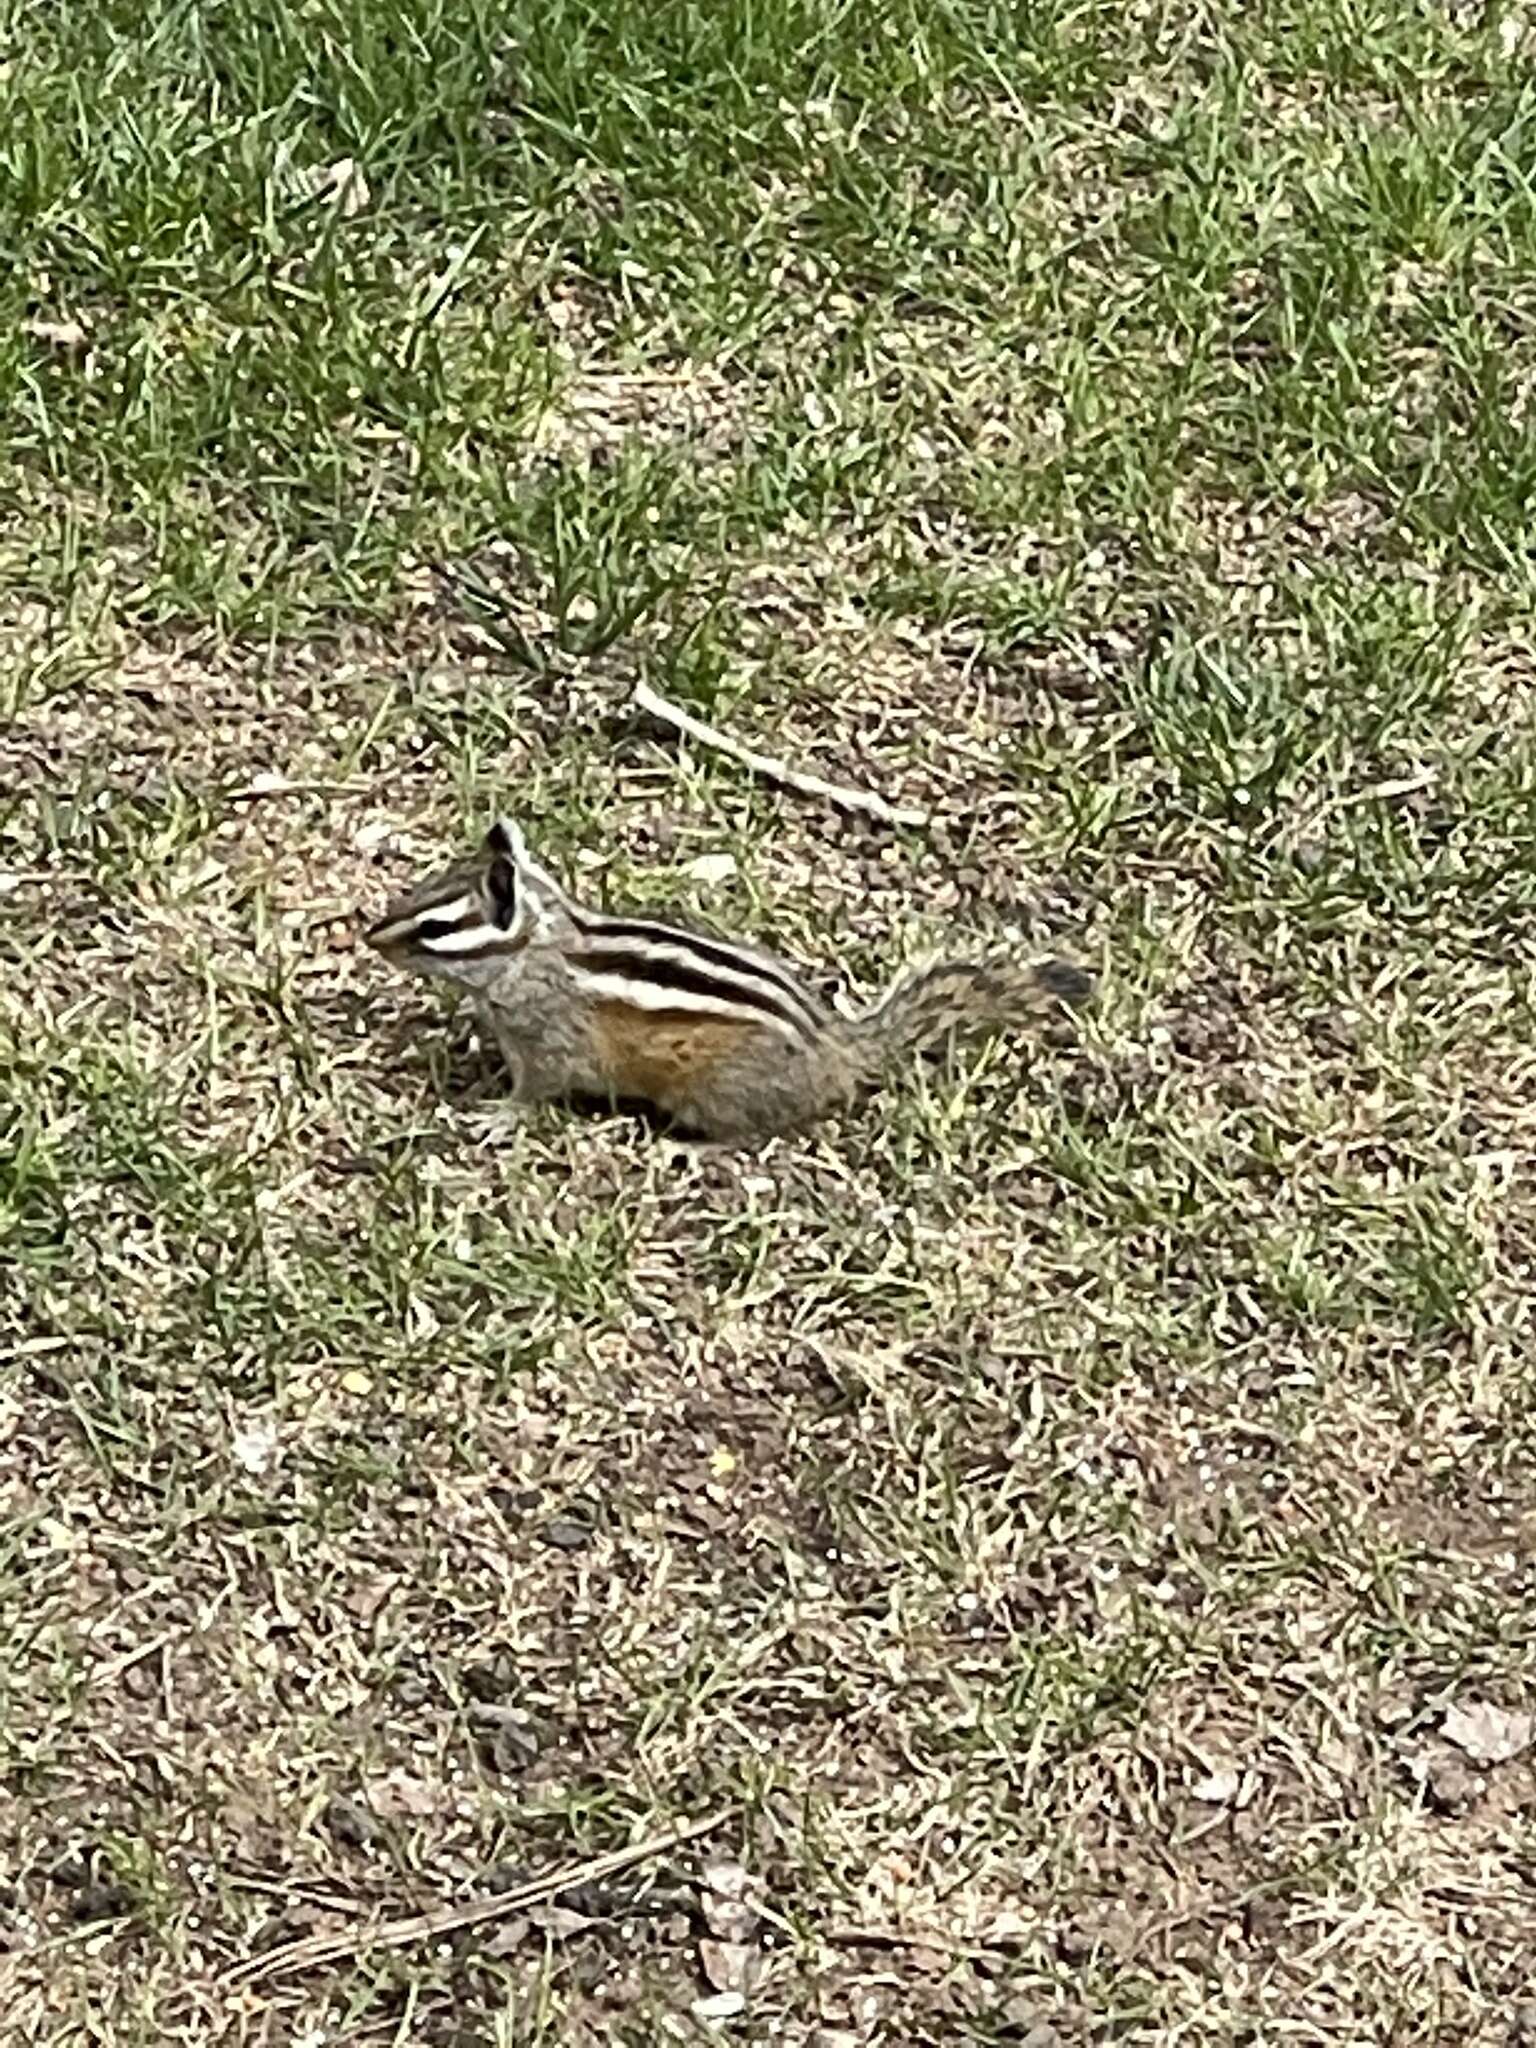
{"type": "Point", "coordinates": [506, 633]}
{"type": "Point", "coordinates": [1381, 792]}
{"type": "Point", "coordinates": [302, 1894]}
{"type": "Point", "coordinates": [313, 1949]}
{"type": "Point", "coordinates": [277, 785]}
{"type": "Point", "coordinates": [1375, 792]}
{"type": "Point", "coordinates": [769, 766]}
{"type": "Point", "coordinates": [129, 1658]}
{"type": "Point", "coordinates": [918, 1937]}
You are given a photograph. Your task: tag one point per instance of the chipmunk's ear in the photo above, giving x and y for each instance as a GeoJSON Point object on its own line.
{"type": "Point", "coordinates": [529, 888]}
{"type": "Point", "coordinates": [504, 838]}
{"type": "Point", "coordinates": [504, 850]}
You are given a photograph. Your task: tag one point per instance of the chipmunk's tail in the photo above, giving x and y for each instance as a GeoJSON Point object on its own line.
{"type": "Point", "coordinates": [950, 998]}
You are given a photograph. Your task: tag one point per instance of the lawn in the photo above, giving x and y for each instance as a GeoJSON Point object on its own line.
{"type": "Point", "coordinates": [1062, 1535]}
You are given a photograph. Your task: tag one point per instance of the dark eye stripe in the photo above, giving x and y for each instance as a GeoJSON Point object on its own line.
{"type": "Point", "coordinates": [442, 927]}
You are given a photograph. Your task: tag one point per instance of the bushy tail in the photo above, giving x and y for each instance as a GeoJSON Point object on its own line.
{"type": "Point", "coordinates": [951, 997]}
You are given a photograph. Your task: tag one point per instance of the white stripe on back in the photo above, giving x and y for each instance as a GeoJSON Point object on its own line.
{"type": "Point", "coordinates": [644, 995]}
{"type": "Point", "coordinates": [676, 949]}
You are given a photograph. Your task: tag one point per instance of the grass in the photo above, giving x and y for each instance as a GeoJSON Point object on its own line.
{"type": "Point", "coordinates": [1055, 1508]}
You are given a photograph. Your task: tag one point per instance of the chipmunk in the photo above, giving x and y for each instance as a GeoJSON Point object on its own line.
{"type": "Point", "coordinates": [721, 1038]}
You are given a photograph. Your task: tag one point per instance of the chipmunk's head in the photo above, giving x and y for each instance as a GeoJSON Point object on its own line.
{"type": "Point", "coordinates": [465, 922]}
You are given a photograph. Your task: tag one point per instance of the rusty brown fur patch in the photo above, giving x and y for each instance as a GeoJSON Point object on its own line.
{"type": "Point", "coordinates": [663, 1055]}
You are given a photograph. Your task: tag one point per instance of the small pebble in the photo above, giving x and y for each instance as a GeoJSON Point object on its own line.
{"type": "Point", "coordinates": [100, 1902]}
{"type": "Point", "coordinates": [350, 1823]}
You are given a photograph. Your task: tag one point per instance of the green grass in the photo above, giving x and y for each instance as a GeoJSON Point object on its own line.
{"type": "Point", "coordinates": [1054, 1508]}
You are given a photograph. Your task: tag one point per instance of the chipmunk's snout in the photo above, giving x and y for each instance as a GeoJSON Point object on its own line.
{"type": "Point", "coordinates": [379, 932]}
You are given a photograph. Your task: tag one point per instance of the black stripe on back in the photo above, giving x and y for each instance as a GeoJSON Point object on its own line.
{"type": "Point", "coordinates": [716, 951]}
{"type": "Point", "coordinates": [657, 972]}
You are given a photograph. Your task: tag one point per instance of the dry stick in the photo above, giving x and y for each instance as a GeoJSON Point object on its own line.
{"type": "Point", "coordinates": [769, 766]}
{"type": "Point", "coordinates": [326, 1948]}
{"type": "Point", "coordinates": [275, 785]}
{"type": "Point", "coordinates": [306, 1895]}
{"type": "Point", "coordinates": [1376, 792]}
{"type": "Point", "coordinates": [34, 1347]}
{"type": "Point", "coordinates": [916, 1937]}
{"type": "Point", "coordinates": [129, 1658]}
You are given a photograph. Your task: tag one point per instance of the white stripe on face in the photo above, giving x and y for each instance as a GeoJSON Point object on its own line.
{"type": "Point", "coordinates": [471, 939]}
